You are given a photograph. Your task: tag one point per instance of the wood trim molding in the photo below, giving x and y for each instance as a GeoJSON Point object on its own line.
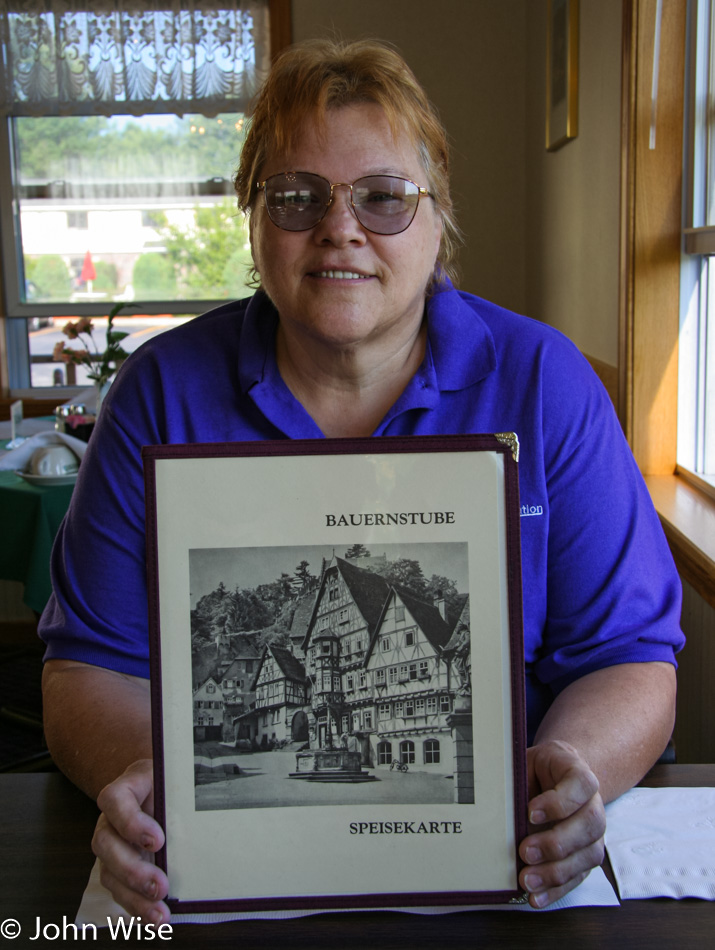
{"type": "Point", "coordinates": [31, 408]}
{"type": "Point", "coordinates": [688, 519]}
{"type": "Point", "coordinates": [651, 189]}
{"type": "Point", "coordinates": [608, 375]}
{"type": "Point", "coordinates": [281, 27]}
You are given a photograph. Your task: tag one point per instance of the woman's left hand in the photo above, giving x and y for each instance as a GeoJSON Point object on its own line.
{"type": "Point", "coordinates": [567, 822]}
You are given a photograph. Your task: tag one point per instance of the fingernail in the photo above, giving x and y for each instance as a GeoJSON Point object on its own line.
{"type": "Point", "coordinates": [533, 856]}
{"type": "Point", "coordinates": [537, 817]}
{"type": "Point", "coordinates": [156, 917]}
{"type": "Point", "coordinates": [532, 882]}
{"type": "Point", "coordinates": [151, 890]}
{"type": "Point", "coordinates": [541, 899]}
{"type": "Point", "coordinates": [147, 842]}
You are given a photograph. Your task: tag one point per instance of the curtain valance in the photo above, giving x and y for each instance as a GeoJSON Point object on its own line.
{"type": "Point", "coordinates": [59, 57]}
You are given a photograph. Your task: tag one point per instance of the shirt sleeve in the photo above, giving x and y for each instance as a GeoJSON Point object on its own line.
{"type": "Point", "coordinates": [613, 593]}
{"type": "Point", "coordinates": [98, 611]}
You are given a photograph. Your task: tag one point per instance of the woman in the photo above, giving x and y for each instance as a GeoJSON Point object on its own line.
{"type": "Point", "coordinates": [358, 331]}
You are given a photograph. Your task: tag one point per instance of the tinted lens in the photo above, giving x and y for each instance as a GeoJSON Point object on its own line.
{"type": "Point", "coordinates": [296, 202]}
{"type": "Point", "coordinates": [384, 204]}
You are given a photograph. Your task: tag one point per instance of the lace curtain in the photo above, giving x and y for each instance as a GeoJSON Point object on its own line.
{"type": "Point", "coordinates": [59, 57]}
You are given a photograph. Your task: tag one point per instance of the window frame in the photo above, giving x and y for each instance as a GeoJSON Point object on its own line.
{"type": "Point", "coordinates": [649, 284]}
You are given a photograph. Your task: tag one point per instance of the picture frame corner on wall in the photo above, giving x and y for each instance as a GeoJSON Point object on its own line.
{"type": "Point", "coordinates": [562, 73]}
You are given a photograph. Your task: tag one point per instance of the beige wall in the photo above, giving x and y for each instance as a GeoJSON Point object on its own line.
{"type": "Point", "coordinates": [572, 209]}
{"type": "Point", "coordinates": [541, 228]}
{"type": "Point", "coordinates": [470, 57]}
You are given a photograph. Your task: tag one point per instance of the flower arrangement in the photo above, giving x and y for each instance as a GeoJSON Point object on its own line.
{"type": "Point", "coordinates": [102, 365]}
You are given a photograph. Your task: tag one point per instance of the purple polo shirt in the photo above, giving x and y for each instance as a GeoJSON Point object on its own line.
{"type": "Point", "coordinates": [600, 587]}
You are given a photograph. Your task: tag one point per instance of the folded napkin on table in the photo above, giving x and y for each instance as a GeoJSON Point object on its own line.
{"type": "Point", "coordinates": [18, 460]}
{"type": "Point", "coordinates": [661, 842]}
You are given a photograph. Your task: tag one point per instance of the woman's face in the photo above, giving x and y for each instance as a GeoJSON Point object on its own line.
{"type": "Point", "coordinates": [301, 270]}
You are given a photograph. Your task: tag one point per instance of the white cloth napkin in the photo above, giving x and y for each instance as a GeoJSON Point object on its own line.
{"type": "Point", "coordinates": [18, 460]}
{"type": "Point", "coordinates": [661, 842]}
{"type": "Point", "coordinates": [97, 905]}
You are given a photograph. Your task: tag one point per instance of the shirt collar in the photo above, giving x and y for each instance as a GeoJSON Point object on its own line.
{"type": "Point", "coordinates": [460, 352]}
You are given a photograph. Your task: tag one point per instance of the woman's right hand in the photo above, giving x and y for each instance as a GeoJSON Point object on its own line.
{"type": "Point", "coordinates": [125, 840]}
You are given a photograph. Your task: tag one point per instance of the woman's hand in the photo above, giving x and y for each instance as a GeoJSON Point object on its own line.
{"type": "Point", "coordinates": [567, 821]}
{"type": "Point", "coordinates": [125, 840]}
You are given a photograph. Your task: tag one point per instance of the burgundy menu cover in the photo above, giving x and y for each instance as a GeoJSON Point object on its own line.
{"type": "Point", "coordinates": [337, 671]}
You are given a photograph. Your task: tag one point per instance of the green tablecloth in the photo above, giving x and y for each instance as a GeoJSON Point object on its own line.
{"type": "Point", "coordinates": [29, 517]}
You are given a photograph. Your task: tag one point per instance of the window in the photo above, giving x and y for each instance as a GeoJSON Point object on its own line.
{"type": "Point", "coordinates": [362, 679]}
{"type": "Point", "coordinates": [116, 211]}
{"type": "Point", "coordinates": [210, 688]}
{"type": "Point", "coordinates": [78, 220]}
{"type": "Point", "coordinates": [399, 710]}
{"type": "Point", "coordinates": [409, 637]}
{"type": "Point", "coordinates": [345, 723]}
{"type": "Point", "coordinates": [344, 616]}
{"type": "Point", "coordinates": [407, 752]}
{"type": "Point", "coordinates": [384, 753]}
{"type": "Point", "coordinates": [413, 671]}
{"type": "Point", "coordinates": [393, 675]}
{"type": "Point", "coordinates": [336, 683]}
{"type": "Point", "coordinates": [423, 669]}
{"type": "Point", "coordinates": [383, 711]}
{"type": "Point", "coordinates": [349, 680]}
{"type": "Point", "coordinates": [379, 677]}
{"type": "Point", "coordinates": [431, 705]}
{"type": "Point", "coordinates": [419, 707]}
{"type": "Point", "coordinates": [696, 372]}
{"type": "Point", "coordinates": [367, 719]}
{"type": "Point", "coordinates": [445, 703]}
{"type": "Point", "coordinates": [409, 708]}
{"type": "Point", "coordinates": [385, 644]}
{"type": "Point", "coordinates": [431, 752]}
{"type": "Point", "coordinates": [404, 676]}
{"type": "Point", "coordinates": [399, 614]}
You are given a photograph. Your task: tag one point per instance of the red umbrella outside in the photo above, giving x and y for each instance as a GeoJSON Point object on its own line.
{"type": "Point", "coordinates": [88, 271]}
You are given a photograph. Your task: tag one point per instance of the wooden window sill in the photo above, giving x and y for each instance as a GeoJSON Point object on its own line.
{"type": "Point", "coordinates": [688, 519]}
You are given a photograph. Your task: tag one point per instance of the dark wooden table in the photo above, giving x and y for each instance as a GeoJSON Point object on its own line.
{"type": "Point", "coordinates": [45, 860]}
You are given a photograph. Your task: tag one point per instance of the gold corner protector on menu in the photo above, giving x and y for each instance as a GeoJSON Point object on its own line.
{"type": "Point", "coordinates": [512, 440]}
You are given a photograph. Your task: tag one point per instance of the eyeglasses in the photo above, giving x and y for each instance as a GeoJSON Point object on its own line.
{"type": "Point", "coordinates": [383, 204]}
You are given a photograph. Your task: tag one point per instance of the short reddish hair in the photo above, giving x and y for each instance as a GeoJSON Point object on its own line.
{"type": "Point", "coordinates": [311, 77]}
